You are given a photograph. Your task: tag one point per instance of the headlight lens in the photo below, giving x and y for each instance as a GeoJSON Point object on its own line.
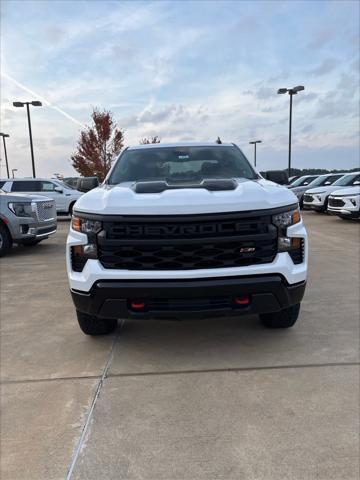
{"type": "Point", "coordinates": [286, 219]}
{"type": "Point", "coordinates": [85, 225]}
{"type": "Point", "coordinates": [21, 209]}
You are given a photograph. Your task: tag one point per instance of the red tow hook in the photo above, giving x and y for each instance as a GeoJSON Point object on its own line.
{"type": "Point", "coordinates": [242, 301]}
{"type": "Point", "coordinates": [137, 305]}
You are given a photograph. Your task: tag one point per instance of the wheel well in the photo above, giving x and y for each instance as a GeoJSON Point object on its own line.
{"type": "Point", "coordinates": [6, 228]}
{"type": "Point", "coordinates": [71, 206]}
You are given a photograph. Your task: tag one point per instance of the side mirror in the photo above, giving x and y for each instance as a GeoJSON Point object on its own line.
{"type": "Point", "coordinates": [58, 189]}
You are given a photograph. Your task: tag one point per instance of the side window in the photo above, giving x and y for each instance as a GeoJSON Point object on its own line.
{"type": "Point", "coordinates": [47, 187]}
{"type": "Point", "coordinates": [6, 186]}
{"type": "Point", "coordinates": [25, 186]}
{"type": "Point", "coordinates": [355, 181]}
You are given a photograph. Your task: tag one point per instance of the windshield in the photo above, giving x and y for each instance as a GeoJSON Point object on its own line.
{"type": "Point", "coordinates": [347, 180]}
{"type": "Point", "coordinates": [292, 180]}
{"type": "Point", "coordinates": [181, 164]}
{"type": "Point", "coordinates": [320, 181]}
{"type": "Point", "coordinates": [303, 181]}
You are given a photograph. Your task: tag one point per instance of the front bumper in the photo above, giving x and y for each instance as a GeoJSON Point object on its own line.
{"type": "Point", "coordinates": [349, 209]}
{"type": "Point", "coordinates": [182, 299]}
{"type": "Point", "coordinates": [344, 212]}
{"type": "Point", "coordinates": [313, 202]}
{"type": "Point", "coordinates": [28, 230]}
{"type": "Point", "coordinates": [94, 271]}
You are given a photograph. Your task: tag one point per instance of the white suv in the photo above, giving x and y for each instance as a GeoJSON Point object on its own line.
{"type": "Point", "coordinates": [63, 195]}
{"type": "Point", "coordinates": [317, 198]}
{"type": "Point", "coordinates": [345, 203]}
{"type": "Point", "coordinates": [186, 230]}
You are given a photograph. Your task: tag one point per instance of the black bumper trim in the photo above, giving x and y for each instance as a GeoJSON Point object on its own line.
{"type": "Point", "coordinates": [268, 293]}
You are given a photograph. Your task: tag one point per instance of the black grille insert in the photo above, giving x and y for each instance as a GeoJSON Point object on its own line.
{"type": "Point", "coordinates": [308, 198]}
{"type": "Point", "coordinates": [214, 241]}
{"type": "Point", "coordinates": [189, 304]}
{"type": "Point", "coordinates": [336, 202]}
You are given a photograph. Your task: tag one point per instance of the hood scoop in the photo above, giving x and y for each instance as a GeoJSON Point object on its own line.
{"type": "Point", "coordinates": [213, 185]}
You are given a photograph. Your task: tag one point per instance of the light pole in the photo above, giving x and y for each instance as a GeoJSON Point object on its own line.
{"type": "Point", "coordinates": [12, 171]}
{"type": "Point", "coordinates": [254, 142]}
{"type": "Point", "coordinates": [34, 103]}
{"type": "Point", "coordinates": [291, 92]}
{"type": "Point", "coordinates": [5, 135]}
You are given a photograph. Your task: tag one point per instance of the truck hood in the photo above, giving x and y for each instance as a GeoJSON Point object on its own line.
{"type": "Point", "coordinates": [122, 200]}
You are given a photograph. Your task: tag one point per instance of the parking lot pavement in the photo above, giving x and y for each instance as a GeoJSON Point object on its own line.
{"type": "Point", "coordinates": [219, 399]}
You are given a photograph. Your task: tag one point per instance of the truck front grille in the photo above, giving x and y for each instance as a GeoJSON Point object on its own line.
{"type": "Point", "coordinates": [45, 210]}
{"type": "Point", "coordinates": [189, 242]}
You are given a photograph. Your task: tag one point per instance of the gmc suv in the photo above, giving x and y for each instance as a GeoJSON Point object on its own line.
{"type": "Point", "coordinates": [186, 230]}
{"type": "Point", "coordinates": [25, 220]}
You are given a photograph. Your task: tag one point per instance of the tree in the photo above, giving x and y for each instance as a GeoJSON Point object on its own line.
{"type": "Point", "coordinates": [146, 141]}
{"type": "Point", "coordinates": [98, 145]}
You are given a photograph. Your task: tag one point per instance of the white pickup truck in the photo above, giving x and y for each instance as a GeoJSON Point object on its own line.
{"type": "Point", "coordinates": [186, 230]}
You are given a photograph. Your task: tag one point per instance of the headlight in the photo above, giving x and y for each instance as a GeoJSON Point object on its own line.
{"type": "Point", "coordinates": [85, 225]}
{"type": "Point", "coordinates": [318, 195]}
{"type": "Point", "coordinates": [81, 253]}
{"type": "Point", "coordinates": [286, 219]}
{"type": "Point", "coordinates": [282, 221]}
{"type": "Point", "coordinates": [22, 209]}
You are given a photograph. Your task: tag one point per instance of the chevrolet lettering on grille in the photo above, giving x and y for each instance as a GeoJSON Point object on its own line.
{"type": "Point", "coordinates": [177, 230]}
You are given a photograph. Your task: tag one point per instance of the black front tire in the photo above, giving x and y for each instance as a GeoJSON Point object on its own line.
{"type": "Point", "coordinates": [92, 325]}
{"type": "Point", "coordinates": [5, 240]}
{"type": "Point", "coordinates": [284, 319]}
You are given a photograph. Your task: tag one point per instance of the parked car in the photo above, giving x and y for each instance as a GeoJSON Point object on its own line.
{"type": "Point", "coordinates": [276, 176]}
{"type": "Point", "coordinates": [317, 198]}
{"type": "Point", "coordinates": [293, 178]}
{"type": "Point", "coordinates": [321, 180]}
{"type": "Point", "coordinates": [25, 219]}
{"type": "Point", "coordinates": [63, 195]}
{"type": "Point", "coordinates": [345, 203]}
{"type": "Point", "coordinates": [83, 184]}
{"type": "Point", "coordinates": [183, 230]}
{"type": "Point", "coordinates": [303, 181]}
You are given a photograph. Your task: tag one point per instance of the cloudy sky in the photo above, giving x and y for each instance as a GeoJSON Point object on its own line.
{"type": "Point", "coordinates": [184, 71]}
